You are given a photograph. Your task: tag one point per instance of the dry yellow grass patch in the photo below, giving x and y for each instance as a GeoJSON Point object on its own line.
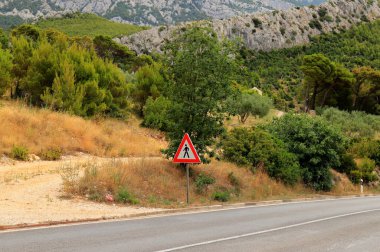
{"type": "Point", "coordinates": [41, 129]}
{"type": "Point", "coordinates": [160, 183]}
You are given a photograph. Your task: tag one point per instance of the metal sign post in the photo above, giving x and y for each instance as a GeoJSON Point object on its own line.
{"type": "Point", "coordinates": [185, 155]}
{"type": "Point", "coordinates": [188, 184]}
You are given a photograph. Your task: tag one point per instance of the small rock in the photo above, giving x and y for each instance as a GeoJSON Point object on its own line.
{"type": "Point", "coordinates": [33, 157]}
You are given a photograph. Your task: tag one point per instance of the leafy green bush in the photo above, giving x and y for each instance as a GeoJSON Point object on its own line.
{"type": "Point", "coordinates": [19, 153]}
{"type": "Point", "coordinates": [258, 148]}
{"type": "Point", "coordinates": [347, 164]}
{"type": "Point", "coordinates": [155, 113]}
{"type": "Point", "coordinates": [221, 195]}
{"type": "Point", "coordinates": [51, 154]}
{"type": "Point", "coordinates": [365, 171]}
{"type": "Point", "coordinates": [365, 148]}
{"type": "Point", "coordinates": [123, 196]}
{"type": "Point", "coordinates": [318, 146]}
{"type": "Point", "coordinates": [356, 125]}
{"type": "Point", "coordinates": [202, 181]}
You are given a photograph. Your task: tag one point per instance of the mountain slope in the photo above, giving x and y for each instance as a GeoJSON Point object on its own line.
{"type": "Point", "coordinates": [271, 30]}
{"type": "Point", "coordinates": [88, 25]}
{"type": "Point", "coordinates": [152, 12]}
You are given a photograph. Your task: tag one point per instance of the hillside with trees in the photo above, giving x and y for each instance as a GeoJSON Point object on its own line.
{"type": "Point", "coordinates": [329, 90]}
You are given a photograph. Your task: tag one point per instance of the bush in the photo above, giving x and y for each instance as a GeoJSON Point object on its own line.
{"type": "Point", "coordinates": [347, 164]}
{"type": "Point", "coordinates": [123, 196]}
{"type": "Point", "coordinates": [318, 146]}
{"type": "Point", "coordinates": [258, 148]}
{"type": "Point", "coordinates": [202, 182]}
{"type": "Point", "coordinates": [365, 171]}
{"type": "Point", "coordinates": [314, 23]}
{"type": "Point", "coordinates": [221, 195]}
{"type": "Point", "coordinates": [155, 113]}
{"type": "Point", "coordinates": [365, 148]}
{"type": "Point", "coordinates": [355, 125]}
{"type": "Point", "coordinates": [257, 22]}
{"type": "Point", "coordinates": [51, 154]}
{"type": "Point", "coordinates": [20, 153]}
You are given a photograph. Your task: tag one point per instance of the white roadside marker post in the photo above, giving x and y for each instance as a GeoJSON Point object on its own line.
{"type": "Point", "coordinates": [361, 186]}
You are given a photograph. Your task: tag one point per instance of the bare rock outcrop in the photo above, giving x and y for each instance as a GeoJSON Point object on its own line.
{"type": "Point", "coordinates": [270, 30]}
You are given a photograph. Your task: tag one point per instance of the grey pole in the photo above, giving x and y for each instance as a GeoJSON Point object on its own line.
{"type": "Point", "coordinates": [188, 184]}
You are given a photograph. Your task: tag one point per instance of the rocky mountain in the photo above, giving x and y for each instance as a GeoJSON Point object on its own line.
{"type": "Point", "coordinates": [146, 12]}
{"type": "Point", "coordinates": [270, 30]}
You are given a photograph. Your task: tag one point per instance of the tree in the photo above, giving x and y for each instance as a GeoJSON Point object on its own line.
{"type": "Point", "coordinates": [4, 41]}
{"type": "Point", "coordinates": [5, 70]}
{"type": "Point", "coordinates": [366, 90]}
{"type": "Point", "coordinates": [325, 82]}
{"type": "Point", "coordinates": [149, 83]}
{"type": "Point", "coordinates": [318, 146]}
{"type": "Point", "coordinates": [64, 95]}
{"type": "Point", "coordinates": [246, 104]}
{"type": "Point", "coordinates": [319, 72]}
{"type": "Point", "coordinates": [106, 48]}
{"type": "Point", "coordinates": [201, 68]}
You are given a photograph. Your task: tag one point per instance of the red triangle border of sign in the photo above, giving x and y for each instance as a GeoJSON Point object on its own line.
{"type": "Point", "coordinates": [176, 158]}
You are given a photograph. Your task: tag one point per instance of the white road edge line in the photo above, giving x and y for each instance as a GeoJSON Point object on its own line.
{"type": "Point", "coordinates": [265, 231]}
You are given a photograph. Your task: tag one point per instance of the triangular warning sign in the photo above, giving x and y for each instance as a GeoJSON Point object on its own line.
{"type": "Point", "coordinates": [186, 152]}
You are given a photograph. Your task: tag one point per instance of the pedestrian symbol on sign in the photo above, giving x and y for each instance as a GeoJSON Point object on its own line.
{"type": "Point", "coordinates": [186, 151]}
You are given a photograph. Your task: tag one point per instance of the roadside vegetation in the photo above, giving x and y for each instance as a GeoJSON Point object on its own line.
{"type": "Point", "coordinates": [160, 183]}
{"type": "Point", "coordinates": [49, 135]}
{"type": "Point", "coordinates": [91, 90]}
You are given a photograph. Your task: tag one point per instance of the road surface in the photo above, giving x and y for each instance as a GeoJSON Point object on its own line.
{"type": "Point", "coordinates": [326, 225]}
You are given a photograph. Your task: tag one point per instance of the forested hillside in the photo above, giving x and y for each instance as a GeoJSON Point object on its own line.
{"type": "Point", "coordinates": [279, 72]}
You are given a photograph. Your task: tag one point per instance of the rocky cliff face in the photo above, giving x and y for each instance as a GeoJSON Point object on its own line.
{"type": "Point", "coordinates": [271, 30]}
{"type": "Point", "coordinates": [151, 12]}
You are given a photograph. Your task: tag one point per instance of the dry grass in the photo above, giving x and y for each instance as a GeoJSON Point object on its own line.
{"type": "Point", "coordinates": [41, 129]}
{"type": "Point", "coordinates": [159, 183]}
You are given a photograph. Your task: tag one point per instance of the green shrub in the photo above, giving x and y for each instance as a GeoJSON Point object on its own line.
{"type": "Point", "coordinates": [203, 181]}
{"type": "Point", "coordinates": [257, 22]}
{"type": "Point", "coordinates": [20, 153]}
{"type": "Point", "coordinates": [221, 195]}
{"type": "Point", "coordinates": [355, 125]}
{"type": "Point", "coordinates": [365, 171]}
{"type": "Point", "coordinates": [365, 148]}
{"type": "Point", "coordinates": [51, 154]}
{"type": "Point", "coordinates": [155, 113]}
{"type": "Point", "coordinates": [314, 23]}
{"type": "Point", "coordinates": [347, 164]}
{"type": "Point", "coordinates": [318, 146]}
{"type": "Point", "coordinates": [123, 196]}
{"type": "Point", "coordinates": [258, 148]}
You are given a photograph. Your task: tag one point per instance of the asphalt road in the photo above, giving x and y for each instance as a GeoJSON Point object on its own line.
{"type": "Point", "coordinates": [328, 225]}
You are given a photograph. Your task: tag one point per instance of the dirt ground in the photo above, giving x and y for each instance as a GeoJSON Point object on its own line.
{"type": "Point", "coordinates": [30, 193]}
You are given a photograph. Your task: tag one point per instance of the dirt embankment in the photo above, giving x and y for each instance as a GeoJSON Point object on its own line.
{"type": "Point", "coordinates": [31, 193]}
